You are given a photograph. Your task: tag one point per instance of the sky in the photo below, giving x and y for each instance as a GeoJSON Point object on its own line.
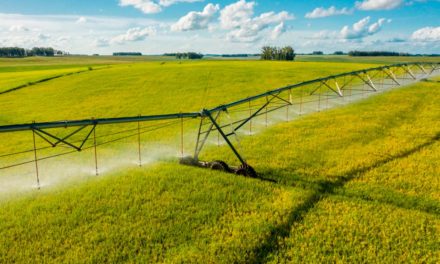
{"type": "Point", "coordinates": [221, 26]}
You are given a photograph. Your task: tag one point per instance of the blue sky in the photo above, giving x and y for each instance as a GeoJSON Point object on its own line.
{"type": "Point", "coordinates": [238, 26]}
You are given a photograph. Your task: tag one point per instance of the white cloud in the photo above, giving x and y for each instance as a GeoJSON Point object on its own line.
{"type": "Point", "coordinates": [243, 27]}
{"type": "Point", "coordinates": [100, 35]}
{"type": "Point", "coordinates": [375, 27]}
{"type": "Point", "coordinates": [278, 31]}
{"type": "Point", "coordinates": [18, 28]}
{"type": "Point", "coordinates": [331, 11]}
{"type": "Point", "coordinates": [362, 29]}
{"type": "Point", "coordinates": [101, 42]}
{"type": "Point", "coordinates": [152, 6]}
{"type": "Point", "coordinates": [42, 36]}
{"type": "Point", "coordinates": [378, 4]}
{"type": "Point", "coordinates": [172, 2]}
{"type": "Point", "coordinates": [30, 41]}
{"type": "Point", "coordinates": [396, 40]}
{"type": "Point", "coordinates": [134, 34]}
{"type": "Point", "coordinates": [63, 38]}
{"type": "Point", "coordinates": [81, 20]}
{"type": "Point", "coordinates": [426, 34]}
{"type": "Point", "coordinates": [196, 20]}
{"type": "Point", "coordinates": [324, 34]}
{"type": "Point", "coordinates": [234, 15]}
{"type": "Point", "coordinates": [146, 6]}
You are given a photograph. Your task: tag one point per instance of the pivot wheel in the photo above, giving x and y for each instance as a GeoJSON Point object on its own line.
{"type": "Point", "coordinates": [219, 165]}
{"type": "Point", "coordinates": [246, 170]}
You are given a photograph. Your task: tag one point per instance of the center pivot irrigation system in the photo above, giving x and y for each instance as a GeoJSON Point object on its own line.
{"type": "Point", "coordinates": [297, 99]}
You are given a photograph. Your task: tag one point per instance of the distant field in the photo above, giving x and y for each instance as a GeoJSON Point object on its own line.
{"type": "Point", "coordinates": [355, 184]}
{"type": "Point", "coordinates": [75, 60]}
{"type": "Point", "coordinates": [379, 60]}
{"type": "Point", "coordinates": [155, 88]}
{"type": "Point", "coordinates": [13, 64]}
{"type": "Point", "coordinates": [150, 88]}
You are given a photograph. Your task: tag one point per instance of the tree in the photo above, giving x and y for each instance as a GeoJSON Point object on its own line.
{"type": "Point", "coordinates": [275, 53]}
{"type": "Point", "coordinates": [12, 52]}
{"type": "Point", "coordinates": [357, 53]}
{"type": "Point", "coordinates": [189, 55]}
{"type": "Point", "coordinates": [267, 53]}
{"type": "Point", "coordinates": [36, 51]}
{"type": "Point", "coordinates": [127, 54]}
{"type": "Point", "coordinates": [41, 51]}
{"type": "Point", "coordinates": [289, 53]}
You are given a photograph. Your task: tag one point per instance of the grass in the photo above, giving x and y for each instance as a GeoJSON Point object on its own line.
{"type": "Point", "coordinates": [74, 60]}
{"type": "Point", "coordinates": [69, 61]}
{"type": "Point", "coordinates": [185, 86]}
{"type": "Point", "coordinates": [138, 88]}
{"type": "Point", "coordinates": [386, 166]}
{"type": "Point", "coordinates": [353, 230]}
{"type": "Point", "coordinates": [353, 184]}
{"type": "Point", "coordinates": [146, 216]}
{"type": "Point", "coordinates": [18, 80]}
{"type": "Point", "coordinates": [378, 60]}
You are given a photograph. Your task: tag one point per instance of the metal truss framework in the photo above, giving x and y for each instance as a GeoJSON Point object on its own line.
{"type": "Point", "coordinates": [264, 103]}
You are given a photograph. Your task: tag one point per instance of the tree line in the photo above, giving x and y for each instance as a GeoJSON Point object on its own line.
{"type": "Point", "coordinates": [16, 52]}
{"type": "Point", "coordinates": [127, 54]}
{"type": "Point", "coordinates": [357, 53]}
{"type": "Point", "coordinates": [276, 53]}
{"type": "Point", "coordinates": [239, 55]}
{"type": "Point", "coordinates": [185, 55]}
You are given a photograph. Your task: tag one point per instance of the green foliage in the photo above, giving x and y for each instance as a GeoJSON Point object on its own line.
{"type": "Point", "coordinates": [12, 52]}
{"type": "Point", "coordinates": [15, 52]}
{"type": "Point", "coordinates": [41, 51]}
{"type": "Point", "coordinates": [127, 54]}
{"type": "Point", "coordinates": [274, 53]}
{"type": "Point", "coordinates": [357, 53]}
{"type": "Point", "coordinates": [189, 55]}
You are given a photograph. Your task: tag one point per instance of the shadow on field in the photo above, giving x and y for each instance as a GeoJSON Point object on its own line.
{"type": "Point", "coordinates": [430, 80]}
{"type": "Point", "coordinates": [325, 188]}
{"type": "Point", "coordinates": [397, 199]}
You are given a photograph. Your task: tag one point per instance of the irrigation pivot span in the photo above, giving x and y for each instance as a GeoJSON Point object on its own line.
{"type": "Point", "coordinates": [297, 99]}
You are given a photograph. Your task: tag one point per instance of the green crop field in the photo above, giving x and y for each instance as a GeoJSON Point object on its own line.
{"type": "Point", "coordinates": [357, 183]}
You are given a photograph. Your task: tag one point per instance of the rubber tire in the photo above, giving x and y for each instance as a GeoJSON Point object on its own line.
{"type": "Point", "coordinates": [246, 171]}
{"type": "Point", "coordinates": [241, 172]}
{"type": "Point", "coordinates": [219, 165]}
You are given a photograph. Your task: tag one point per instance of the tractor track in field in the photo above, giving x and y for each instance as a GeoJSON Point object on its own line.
{"type": "Point", "coordinates": [29, 84]}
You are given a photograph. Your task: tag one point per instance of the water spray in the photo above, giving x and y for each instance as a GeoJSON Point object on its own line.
{"type": "Point", "coordinates": [299, 97]}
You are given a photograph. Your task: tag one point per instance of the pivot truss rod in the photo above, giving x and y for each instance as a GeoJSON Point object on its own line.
{"type": "Point", "coordinates": [47, 136]}
{"type": "Point", "coordinates": [297, 96]}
